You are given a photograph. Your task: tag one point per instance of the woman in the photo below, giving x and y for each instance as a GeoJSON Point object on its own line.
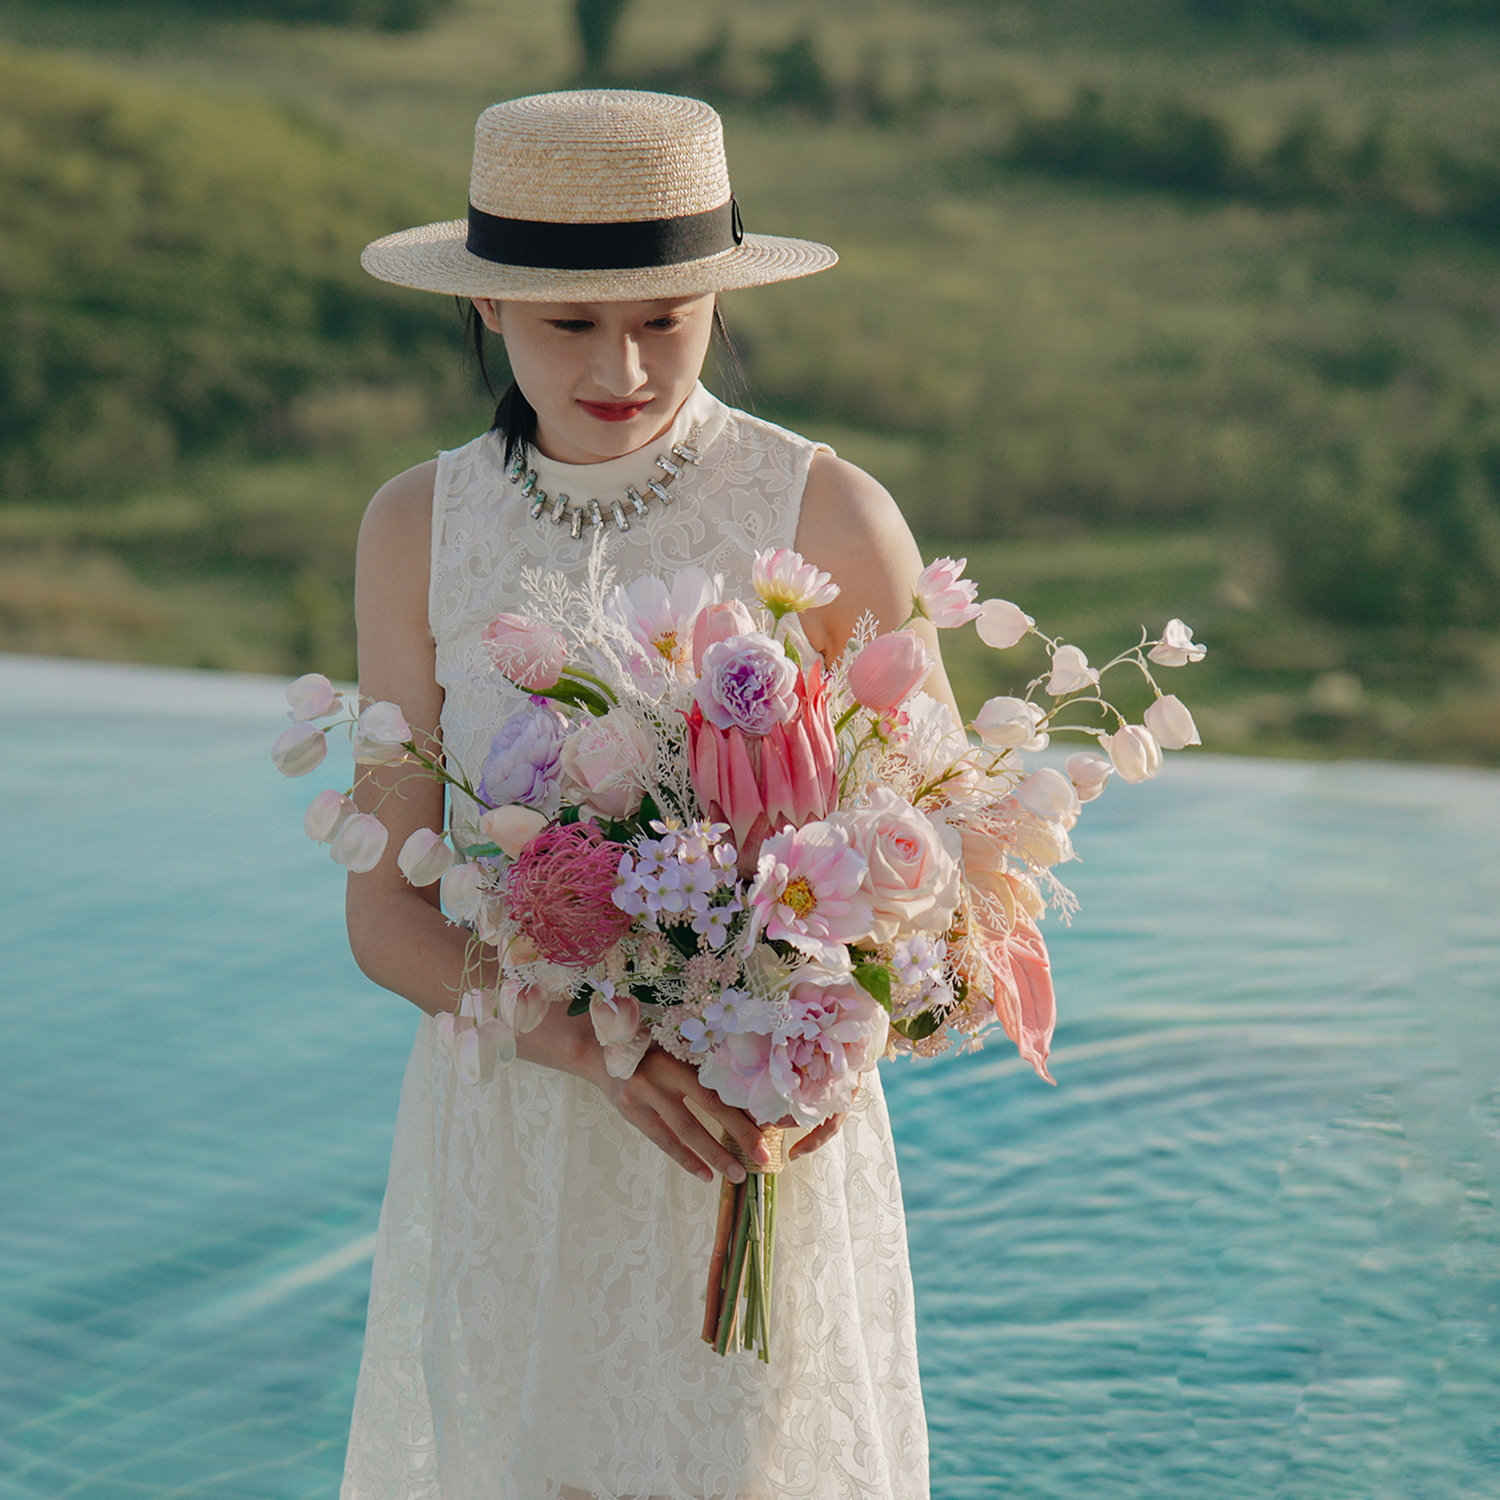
{"type": "Point", "coordinates": [537, 1298]}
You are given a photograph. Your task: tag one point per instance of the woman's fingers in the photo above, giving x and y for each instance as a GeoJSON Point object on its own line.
{"type": "Point", "coordinates": [817, 1136]}
{"type": "Point", "coordinates": [746, 1133]}
{"type": "Point", "coordinates": [654, 1100]}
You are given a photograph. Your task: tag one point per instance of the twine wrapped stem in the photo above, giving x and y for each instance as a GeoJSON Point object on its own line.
{"type": "Point", "coordinates": [744, 1249]}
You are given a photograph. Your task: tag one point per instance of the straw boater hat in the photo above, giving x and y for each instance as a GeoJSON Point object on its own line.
{"type": "Point", "coordinates": [594, 196]}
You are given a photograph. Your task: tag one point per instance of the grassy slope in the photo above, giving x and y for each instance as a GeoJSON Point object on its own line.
{"type": "Point", "coordinates": [1009, 353]}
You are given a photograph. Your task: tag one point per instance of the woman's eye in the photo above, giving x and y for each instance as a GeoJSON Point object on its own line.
{"type": "Point", "coordinates": [664, 325]}
{"type": "Point", "coordinates": [571, 325]}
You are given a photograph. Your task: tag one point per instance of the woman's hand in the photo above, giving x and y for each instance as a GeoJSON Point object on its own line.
{"type": "Point", "coordinates": [655, 1100]}
{"type": "Point", "coordinates": [819, 1135]}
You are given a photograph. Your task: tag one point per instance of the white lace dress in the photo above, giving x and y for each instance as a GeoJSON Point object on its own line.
{"type": "Point", "coordinates": [537, 1295]}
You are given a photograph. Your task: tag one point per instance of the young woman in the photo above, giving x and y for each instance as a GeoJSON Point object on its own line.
{"type": "Point", "coordinates": [534, 1326]}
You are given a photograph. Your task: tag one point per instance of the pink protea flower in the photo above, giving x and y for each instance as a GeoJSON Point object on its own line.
{"type": "Point", "coordinates": [560, 892]}
{"type": "Point", "coordinates": [758, 784]}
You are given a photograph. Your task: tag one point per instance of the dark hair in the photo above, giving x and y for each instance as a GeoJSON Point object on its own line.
{"type": "Point", "coordinates": [515, 418]}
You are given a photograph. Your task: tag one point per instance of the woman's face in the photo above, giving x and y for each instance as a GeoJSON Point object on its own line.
{"type": "Point", "coordinates": [605, 378]}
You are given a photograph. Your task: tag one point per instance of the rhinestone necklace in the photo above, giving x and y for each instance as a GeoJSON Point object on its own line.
{"type": "Point", "coordinates": [560, 508]}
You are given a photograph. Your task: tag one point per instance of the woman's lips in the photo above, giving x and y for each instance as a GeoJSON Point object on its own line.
{"type": "Point", "coordinates": [614, 411]}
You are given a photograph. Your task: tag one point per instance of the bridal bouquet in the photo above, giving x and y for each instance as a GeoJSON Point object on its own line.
{"type": "Point", "coordinates": [690, 827]}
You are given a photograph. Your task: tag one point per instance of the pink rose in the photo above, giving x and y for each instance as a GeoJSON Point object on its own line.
{"type": "Point", "coordinates": [914, 879]}
{"type": "Point", "coordinates": [718, 622]}
{"type": "Point", "coordinates": [530, 655]}
{"type": "Point", "coordinates": [889, 670]}
{"type": "Point", "coordinates": [606, 763]}
{"type": "Point", "coordinates": [749, 683]}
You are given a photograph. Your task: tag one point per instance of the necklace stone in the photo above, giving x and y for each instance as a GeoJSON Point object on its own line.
{"type": "Point", "coordinates": [559, 508]}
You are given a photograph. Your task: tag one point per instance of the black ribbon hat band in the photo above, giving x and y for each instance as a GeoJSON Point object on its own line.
{"type": "Point", "coordinates": [627, 246]}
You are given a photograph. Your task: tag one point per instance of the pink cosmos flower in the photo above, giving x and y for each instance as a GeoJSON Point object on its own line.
{"type": "Point", "coordinates": [529, 654]}
{"type": "Point", "coordinates": [889, 670]}
{"type": "Point", "coordinates": [748, 683]}
{"type": "Point", "coordinates": [758, 784]}
{"type": "Point", "coordinates": [785, 584]}
{"type": "Point", "coordinates": [560, 892]}
{"type": "Point", "coordinates": [944, 595]}
{"type": "Point", "coordinates": [807, 892]}
{"type": "Point", "coordinates": [661, 619]}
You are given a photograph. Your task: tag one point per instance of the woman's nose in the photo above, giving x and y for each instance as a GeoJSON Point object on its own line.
{"type": "Point", "coordinates": [619, 368]}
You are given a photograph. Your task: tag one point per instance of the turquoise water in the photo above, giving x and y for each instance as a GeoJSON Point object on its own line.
{"type": "Point", "coordinates": [1247, 1248]}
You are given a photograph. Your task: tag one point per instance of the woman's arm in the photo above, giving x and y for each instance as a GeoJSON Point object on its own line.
{"type": "Point", "coordinates": [850, 527]}
{"type": "Point", "coordinates": [397, 932]}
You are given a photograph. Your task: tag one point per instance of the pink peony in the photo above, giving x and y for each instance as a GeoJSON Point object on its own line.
{"type": "Point", "coordinates": [944, 595]}
{"type": "Point", "coordinates": [606, 762]}
{"type": "Point", "coordinates": [808, 892]}
{"type": "Point", "coordinates": [913, 879]}
{"type": "Point", "coordinates": [560, 892]}
{"type": "Point", "coordinates": [749, 683]}
{"type": "Point", "coordinates": [889, 670]}
{"type": "Point", "coordinates": [808, 1067]}
{"type": "Point", "coordinates": [718, 622]}
{"type": "Point", "coordinates": [758, 784]}
{"type": "Point", "coordinates": [530, 655]}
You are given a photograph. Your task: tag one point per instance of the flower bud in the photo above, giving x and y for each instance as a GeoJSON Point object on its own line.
{"type": "Point", "coordinates": [1001, 624]}
{"type": "Point", "coordinates": [1071, 672]}
{"type": "Point", "coordinates": [326, 814]}
{"type": "Point", "coordinates": [1049, 794]}
{"type": "Point", "coordinates": [1171, 723]}
{"type": "Point", "coordinates": [889, 670]}
{"type": "Point", "coordinates": [1134, 751]}
{"type": "Point", "coordinates": [718, 622]}
{"type": "Point", "coordinates": [424, 857]}
{"type": "Point", "coordinates": [313, 697]}
{"type": "Point", "coordinates": [1011, 724]}
{"type": "Point", "coordinates": [359, 843]}
{"type": "Point", "coordinates": [530, 655]}
{"type": "Point", "coordinates": [616, 1018]}
{"type": "Point", "coordinates": [1088, 773]}
{"type": "Point", "coordinates": [380, 736]}
{"type": "Point", "coordinates": [1177, 648]}
{"type": "Point", "coordinates": [512, 827]}
{"type": "Point", "coordinates": [298, 750]}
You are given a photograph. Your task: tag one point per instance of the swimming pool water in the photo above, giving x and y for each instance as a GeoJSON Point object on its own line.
{"type": "Point", "coordinates": [1248, 1247]}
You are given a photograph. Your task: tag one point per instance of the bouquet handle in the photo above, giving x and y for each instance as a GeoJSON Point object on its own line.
{"type": "Point", "coordinates": [744, 1253]}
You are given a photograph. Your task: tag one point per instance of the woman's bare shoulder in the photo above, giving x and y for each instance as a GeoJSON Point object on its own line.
{"type": "Point", "coordinates": [400, 513]}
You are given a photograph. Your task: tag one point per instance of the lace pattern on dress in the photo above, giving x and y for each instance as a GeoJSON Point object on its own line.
{"type": "Point", "coordinates": [537, 1291]}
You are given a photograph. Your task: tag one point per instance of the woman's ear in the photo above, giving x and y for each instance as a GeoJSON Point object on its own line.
{"type": "Point", "coordinates": [489, 312]}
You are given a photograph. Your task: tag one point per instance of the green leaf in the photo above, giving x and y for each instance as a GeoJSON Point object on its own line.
{"type": "Point", "coordinates": [914, 1028]}
{"type": "Point", "coordinates": [483, 851]}
{"type": "Point", "coordinates": [579, 694]}
{"type": "Point", "coordinates": [875, 978]}
{"type": "Point", "coordinates": [649, 812]}
{"type": "Point", "coordinates": [569, 814]}
{"type": "Point", "coordinates": [579, 1005]}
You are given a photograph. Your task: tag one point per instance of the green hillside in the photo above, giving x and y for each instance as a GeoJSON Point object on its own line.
{"type": "Point", "coordinates": [1153, 309]}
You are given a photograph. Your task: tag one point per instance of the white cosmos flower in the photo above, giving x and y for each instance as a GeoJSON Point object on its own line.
{"type": "Point", "coordinates": [1177, 648]}
{"type": "Point", "coordinates": [662, 619]}
{"type": "Point", "coordinates": [1071, 672]}
{"type": "Point", "coordinates": [1171, 723]}
{"type": "Point", "coordinates": [1001, 624]}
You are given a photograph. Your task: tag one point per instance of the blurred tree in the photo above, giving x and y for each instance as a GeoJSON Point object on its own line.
{"type": "Point", "coordinates": [597, 22]}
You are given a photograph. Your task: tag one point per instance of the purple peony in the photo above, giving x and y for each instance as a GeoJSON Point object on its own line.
{"type": "Point", "coordinates": [522, 765]}
{"type": "Point", "coordinates": [749, 683]}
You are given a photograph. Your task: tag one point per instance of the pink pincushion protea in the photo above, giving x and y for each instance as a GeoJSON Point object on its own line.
{"type": "Point", "coordinates": [560, 891]}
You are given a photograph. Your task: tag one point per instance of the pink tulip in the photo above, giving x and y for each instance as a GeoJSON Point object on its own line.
{"type": "Point", "coordinates": [759, 784]}
{"type": "Point", "coordinates": [889, 670]}
{"type": "Point", "coordinates": [530, 655]}
{"type": "Point", "coordinates": [718, 622]}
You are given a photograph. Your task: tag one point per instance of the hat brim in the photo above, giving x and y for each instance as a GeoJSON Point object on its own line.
{"type": "Point", "coordinates": [434, 258]}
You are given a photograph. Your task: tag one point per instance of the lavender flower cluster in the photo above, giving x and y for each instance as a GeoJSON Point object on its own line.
{"type": "Point", "coordinates": [686, 875]}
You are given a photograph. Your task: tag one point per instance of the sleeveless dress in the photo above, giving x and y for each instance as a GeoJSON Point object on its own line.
{"type": "Point", "coordinates": [537, 1295]}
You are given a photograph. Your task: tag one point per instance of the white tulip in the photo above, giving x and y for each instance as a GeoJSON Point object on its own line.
{"type": "Point", "coordinates": [1049, 794]}
{"type": "Point", "coordinates": [424, 857]}
{"type": "Point", "coordinates": [1011, 724]}
{"type": "Point", "coordinates": [380, 735]}
{"type": "Point", "coordinates": [299, 750]}
{"type": "Point", "coordinates": [326, 814]}
{"type": "Point", "coordinates": [1088, 773]}
{"type": "Point", "coordinates": [1071, 672]}
{"type": "Point", "coordinates": [1001, 624]}
{"type": "Point", "coordinates": [359, 843]}
{"type": "Point", "coordinates": [511, 828]}
{"type": "Point", "coordinates": [313, 697]}
{"type": "Point", "coordinates": [1171, 723]}
{"type": "Point", "coordinates": [1177, 648]}
{"type": "Point", "coordinates": [1134, 751]}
